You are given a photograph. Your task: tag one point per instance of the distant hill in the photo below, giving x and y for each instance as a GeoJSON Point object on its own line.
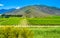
{"type": "Point", "coordinates": [2, 11]}
{"type": "Point", "coordinates": [36, 11]}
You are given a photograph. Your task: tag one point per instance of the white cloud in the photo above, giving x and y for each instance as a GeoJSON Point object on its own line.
{"type": "Point", "coordinates": [17, 7]}
{"type": "Point", "coordinates": [1, 5]}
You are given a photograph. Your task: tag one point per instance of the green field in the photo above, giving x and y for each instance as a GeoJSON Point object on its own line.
{"type": "Point", "coordinates": [10, 21]}
{"type": "Point", "coordinates": [55, 20]}
{"type": "Point", "coordinates": [44, 21]}
{"type": "Point", "coordinates": [46, 32]}
{"type": "Point", "coordinates": [29, 32]}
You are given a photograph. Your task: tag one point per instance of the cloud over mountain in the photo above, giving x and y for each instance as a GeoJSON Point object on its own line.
{"type": "Point", "coordinates": [1, 5]}
{"type": "Point", "coordinates": [17, 7]}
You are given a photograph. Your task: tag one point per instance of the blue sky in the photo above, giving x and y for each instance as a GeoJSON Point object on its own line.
{"type": "Point", "coordinates": [6, 4]}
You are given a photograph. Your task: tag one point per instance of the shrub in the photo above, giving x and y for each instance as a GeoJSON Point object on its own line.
{"type": "Point", "coordinates": [14, 32]}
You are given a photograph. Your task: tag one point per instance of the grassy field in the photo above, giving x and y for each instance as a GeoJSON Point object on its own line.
{"type": "Point", "coordinates": [29, 32]}
{"type": "Point", "coordinates": [44, 21]}
{"type": "Point", "coordinates": [46, 32]}
{"type": "Point", "coordinates": [10, 21]}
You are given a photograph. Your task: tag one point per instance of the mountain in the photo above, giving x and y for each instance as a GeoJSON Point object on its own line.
{"type": "Point", "coordinates": [2, 11]}
{"type": "Point", "coordinates": [36, 11]}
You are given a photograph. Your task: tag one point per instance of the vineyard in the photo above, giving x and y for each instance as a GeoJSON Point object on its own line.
{"type": "Point", "coordinates": [30, 21]}
{"type": "Point", "coordinates": [44, 21]}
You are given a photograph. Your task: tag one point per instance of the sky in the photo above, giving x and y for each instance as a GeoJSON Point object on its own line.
{"type": "Point", "coordinates": [8, 4]}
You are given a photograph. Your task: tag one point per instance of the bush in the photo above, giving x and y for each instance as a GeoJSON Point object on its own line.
{"type": "Point", "coordinates": [14, 32]}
